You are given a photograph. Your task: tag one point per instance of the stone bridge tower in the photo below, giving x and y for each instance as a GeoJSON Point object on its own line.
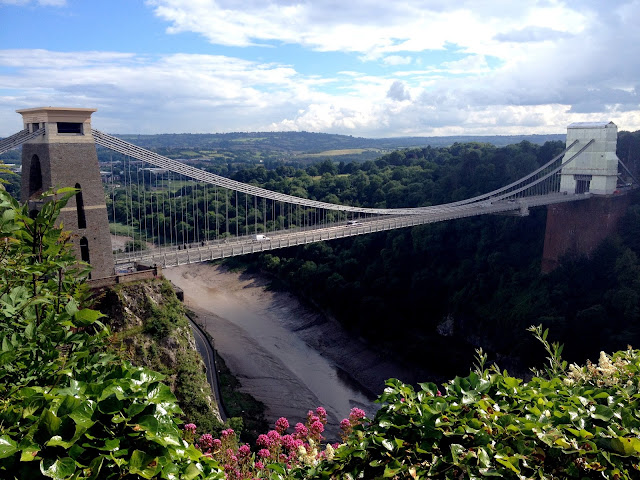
{"type": "Point", "coordinates": [595, 170]}
{"type": "Point", "coordinates": [65, 156]}
{"type": "Point", "coordinates": [577, 228]}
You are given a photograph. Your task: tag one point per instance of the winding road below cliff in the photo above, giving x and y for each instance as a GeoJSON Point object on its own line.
{"type": "Point", "coordinates": [208, 357]}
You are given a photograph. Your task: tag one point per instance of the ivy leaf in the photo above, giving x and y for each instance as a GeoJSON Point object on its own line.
{"type": "Point", "coordinates": [193, 453]}
{"type": "Point", "coordinates": [135, 408]}
{"type": "Point", "coordinates": [160, 393]}
{"type": "Point", "coordinates": [602, 412]}
{"type": "Point", "coordinates": [82, 414]}
{"type": "Point", "coordinates": [60, 469]}
{"type": "Point", "coordinates": [142, 464]}
{"type": "Point", "coordinates": [483, 458]}
{"type": "Point", "coordinates": [110, 405]}
{"type": "Point", "coordinates": [626, 446]}
{"type": "Point", "coordinates": [56, 441]}
{"type": "Point", "coordinates": [392, 469]}
{"type": "Point", "coordinates": [457, 451]}
{"type": "Point", "coordinates": [385, 423]}
{"type": "Point", "coordinates": [29, 454]}
{"type": "Point", "coordinates": [509, 462]}
{"type": "Point", "coordinates": [51, 422]}
{"type": "Point", "coordinates": [7, 446]}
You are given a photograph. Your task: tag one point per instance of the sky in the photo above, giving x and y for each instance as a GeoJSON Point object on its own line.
{"type": "Point", "coordinates": [366, 68]}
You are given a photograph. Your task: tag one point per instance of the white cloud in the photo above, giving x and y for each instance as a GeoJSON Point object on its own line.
{"type": "Point", "coordinates": [196, 93]}
{"type": "Point", "coordinates": [40, 58]}
{"type": "Point", "coordinates": [469, 64]}
{"type": "Point", "coordinates": [418, 68]}
{"type": "Point", "coordinates": [367, 27]}
{"type": "Point", "coordinates": [397, 60]}
{"type": "Point", "coordinates": [531, 34]}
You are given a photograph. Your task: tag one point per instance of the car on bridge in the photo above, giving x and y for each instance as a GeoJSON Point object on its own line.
{"type": "Point", "coordinates": [353, 223]}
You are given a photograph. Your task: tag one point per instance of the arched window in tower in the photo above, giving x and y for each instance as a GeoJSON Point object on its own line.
{"type": "Point", "coordinates": [82, 220]}
{"type": "Point", "coordinates": [35, 176]}
{"type": "Point", "coordinates": [84, 249]}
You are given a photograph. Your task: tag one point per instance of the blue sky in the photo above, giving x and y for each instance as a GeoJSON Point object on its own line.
{"type": "Point", "coordinates": [362, 67]}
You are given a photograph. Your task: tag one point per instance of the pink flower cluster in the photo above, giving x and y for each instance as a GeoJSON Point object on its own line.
{"type": "Point", "coordinates": [279, 446]}
{"type": "Point", "coordinates": [356, 417]}
{"type": "Point", "coordinates": [237, 461]}
{"type": "Point", "coordinates": [282, 424]}
{"type": "Point", "coordinates": [276, 446]}
{"type": "Point", "coordinates": [190, 432]}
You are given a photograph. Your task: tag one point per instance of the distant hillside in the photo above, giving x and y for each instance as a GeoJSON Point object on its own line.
{"type": "Point", "coordinates": [304, 147]}
{"type": "Point", "coordinates": [309, 142]}
{"type": "Point", "coordinates": [295, 147]}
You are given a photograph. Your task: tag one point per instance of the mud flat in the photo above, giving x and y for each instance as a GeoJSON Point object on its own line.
{"type": "Point", "coordinates": [285, 354]}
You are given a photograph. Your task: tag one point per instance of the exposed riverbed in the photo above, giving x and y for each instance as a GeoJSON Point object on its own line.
{"type": "Point", "coordinates": [286, 355]}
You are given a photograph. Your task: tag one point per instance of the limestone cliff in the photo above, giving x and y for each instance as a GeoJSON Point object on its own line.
{"type": "Point", "coordinates": [150, 328]}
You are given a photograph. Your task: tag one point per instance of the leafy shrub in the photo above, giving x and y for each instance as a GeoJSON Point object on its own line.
{"type": "Point", "coordinates": [67, 410]}
{"type": "Point", "coordinates": [580, 424]}
{"type": "Point", "coordinates": [158, 326]}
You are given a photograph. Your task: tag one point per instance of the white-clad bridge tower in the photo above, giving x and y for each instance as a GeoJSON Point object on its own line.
{"type": "Point", "coordinates": [595, 171]}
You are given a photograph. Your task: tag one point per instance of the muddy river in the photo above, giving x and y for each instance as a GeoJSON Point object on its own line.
{"type": "Point", "coordinates": [286, 355]}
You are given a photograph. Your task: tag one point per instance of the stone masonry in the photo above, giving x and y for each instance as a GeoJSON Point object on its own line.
{"type": "Point", "coordinates": [68, 158]}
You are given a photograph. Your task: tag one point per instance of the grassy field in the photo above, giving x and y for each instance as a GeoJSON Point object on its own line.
{"type": "Point", "coordinates": [346, 151]}
{"type": "Point", "coordinates": [318, 177]}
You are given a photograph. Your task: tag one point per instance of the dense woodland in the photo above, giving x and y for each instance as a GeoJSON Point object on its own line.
{"type": "Point", "coordinates": [450, 287]}
{"type": "Point", "coordinates": [446, 288]}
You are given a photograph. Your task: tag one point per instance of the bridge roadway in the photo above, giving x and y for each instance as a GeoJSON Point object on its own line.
{"type": "Point", "coordinates": [230, 247]}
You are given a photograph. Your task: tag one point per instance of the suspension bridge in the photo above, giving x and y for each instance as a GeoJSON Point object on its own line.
{"type": "Point", "coordinates": [171, 213]}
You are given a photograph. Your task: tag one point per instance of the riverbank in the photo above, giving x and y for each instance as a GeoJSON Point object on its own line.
{"type": "Point", "coordinates": [286, 355]}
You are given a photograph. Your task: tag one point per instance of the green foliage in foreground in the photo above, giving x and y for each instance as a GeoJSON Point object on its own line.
{"type": "Point", "coordinates": [68, 411]}
{"type": "Point", "coordinates": [581, 424]}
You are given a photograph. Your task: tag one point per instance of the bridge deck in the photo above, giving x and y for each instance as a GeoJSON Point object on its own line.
{"type": "Point", "coordinates": [172, 256]}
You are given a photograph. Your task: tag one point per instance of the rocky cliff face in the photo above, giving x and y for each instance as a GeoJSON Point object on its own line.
{"type": "Point", "coordinates": [150, 329]}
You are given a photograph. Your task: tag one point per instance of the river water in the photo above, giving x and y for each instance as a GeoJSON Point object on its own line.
{"type": "Point", "coordinates": [286, 355]}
